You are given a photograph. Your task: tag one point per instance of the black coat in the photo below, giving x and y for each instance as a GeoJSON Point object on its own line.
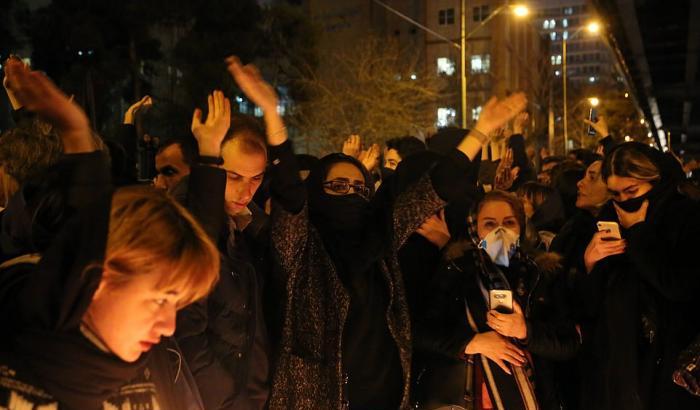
{"type": "Point", "coordinates": [644, 304]}
{"type": "Point", "coordinates": [224, 337]}
{"type": "Point", "coordinates": [442, 333]}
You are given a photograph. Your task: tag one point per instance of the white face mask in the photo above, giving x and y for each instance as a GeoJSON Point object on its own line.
{"type": "Point", "coordinates": [500, 244]}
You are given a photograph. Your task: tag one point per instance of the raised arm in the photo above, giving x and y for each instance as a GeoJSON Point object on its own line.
{"type": "Point", "coordinates": [34, 91]}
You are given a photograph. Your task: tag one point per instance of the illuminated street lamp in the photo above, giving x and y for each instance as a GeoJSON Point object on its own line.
{"type": "Point", "coordinates": [520, 10]}
{"type": "Point", "coordinates": [593, 28]}
{"type": "Point", "coordinates": [594, 101]}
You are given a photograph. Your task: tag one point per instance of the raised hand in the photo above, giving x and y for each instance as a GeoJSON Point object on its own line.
{"type": "Point", "coordinates": [435, 230]}
{"type": "Point", "coordinates": [600, 126]}
{"type": "Point", "coordinates": [38, 94]}
{"type": "Point", "coordinates": [261, 94]}
{"type": "Point", "coordinates": [352, 146]}
{"type": "Point", "coordinates": [508, 324]}
{"type": "Point", "coordinates": [210, 133]}
{"type": "Point", "coordinates": [506, 173]}
{"type": "Point", "coordinates": [520, 122]}
{"type": "Point", "coordinates": [143, 103]}
{"type": "Point", "coordinates": [10, 95]}
{"type": "Point", "coordinates": [252, 84]}
{"type": "Point", "coordinates": [496, 114]}
{"type": "Point", "coordinates": [370, 157]}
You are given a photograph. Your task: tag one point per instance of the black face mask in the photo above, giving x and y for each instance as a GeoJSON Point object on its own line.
{"type": "Point", "coordinates": [633, 204]}
{"type": "Point", "coordinates": [387, 172]}
{"type": "Point", "coordinates": [343, 212]}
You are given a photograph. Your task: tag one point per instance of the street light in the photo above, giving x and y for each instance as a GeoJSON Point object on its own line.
{"type": "Point", "coordinates": [520, 10]}
{"type": "Point", "coordinates": [592, 27]}
{"type": "Point", "coordinates": [594, 101]}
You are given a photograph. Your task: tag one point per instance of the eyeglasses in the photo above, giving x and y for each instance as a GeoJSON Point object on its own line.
{"type": "Point", "coordinates": [343, 187]}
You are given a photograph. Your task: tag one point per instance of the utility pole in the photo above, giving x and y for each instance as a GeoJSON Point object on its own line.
{"type": "Point", "coordinates": [463, 64]}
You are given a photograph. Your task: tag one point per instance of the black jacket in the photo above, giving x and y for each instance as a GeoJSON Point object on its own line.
{"type": "Point", "coordinates": [224, 338]}
{"type": "Point", "coordinates": [443, 332]}
{"type": "Point", "coordinates": [45, 359]}
{"type": "Point", "coordinates": [643, 304]}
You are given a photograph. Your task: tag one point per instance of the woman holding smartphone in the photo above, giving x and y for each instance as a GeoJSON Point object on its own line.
{"type": "Point", "coordinates": [645, 286]}
{"type": "Point", "coordinates": [484, 355]}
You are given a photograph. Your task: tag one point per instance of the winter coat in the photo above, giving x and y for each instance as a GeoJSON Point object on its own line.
{"type": "Point", "coordinates": [443, 331]}
{"type": "Point", "coordinates": [223, 337]}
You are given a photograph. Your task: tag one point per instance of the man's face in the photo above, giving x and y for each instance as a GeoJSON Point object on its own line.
{"type": "Point", "coordinates": [244, 174]}
{"type": "Point", "coordinates": [171, 167]}
{"type": "Point", "coordinates": [391, 159]}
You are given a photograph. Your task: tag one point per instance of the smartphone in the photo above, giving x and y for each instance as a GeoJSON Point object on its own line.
{"type": "Point", "coordinates": [611, 229]}
{"type": "Point", "coordinates": [501, 300]}
{"type": "Point", "coordinates": [593, 117]}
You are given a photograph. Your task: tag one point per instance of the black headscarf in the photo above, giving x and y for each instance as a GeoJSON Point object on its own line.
{"type": "Point", "coordinates": [51, 300]}
{"type": "Point", "coordinates": [352, 234]}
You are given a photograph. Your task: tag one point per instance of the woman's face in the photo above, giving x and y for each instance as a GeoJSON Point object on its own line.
{"type": "Point", "coordinates": [528, 206]}
{"type": "Point", "coordinates": [132, 317]}
{"type": "Point", "coordinates": [344, 178]}
{"type": "Point", "coordinates": [592, 191]}
{"type": "Point", "coordinates": [624, 188]}
{"type": "Point", "coordinates": [494, 214]}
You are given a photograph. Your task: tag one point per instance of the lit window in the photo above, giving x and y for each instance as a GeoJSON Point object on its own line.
{"type": "Point", "coordinates": [554, 60]}
{"type": "Point", "coordinates": [476, 112]}
{"type": "Point", "coordinates": [558, 59]}
{"type": "Point", "coordinates": [446, 116]}
{"type": "Point", "coordinates": [281, 109]}
{"type": "Point", "coordinates": [553, 35]}
{"type": "Point", "coordinates": [445, 66]}
{"type": "Point", "coordinates": [565, 35]}
{"type": "Point", "coordinates": [258, 112]}
{"type": "Point", "coordinates": [565, 23]}
{"type": "Point", "coordinates": [481, 63]}
{"type": "Point", "coordinates": [446, 16]}
{"type": "Point", "coordinates": [545, 24]}
{"type": "Point", "coordinates": [552, 23]}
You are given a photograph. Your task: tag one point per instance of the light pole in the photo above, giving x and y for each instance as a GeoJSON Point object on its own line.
{"type": "Point", "coordinates": [518, 9]}
{"type": "Point", "coordinates": [592, 27]}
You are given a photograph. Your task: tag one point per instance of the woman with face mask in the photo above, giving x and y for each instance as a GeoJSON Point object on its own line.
{"type": "Point", "coordinates": [346, 339]}
{"type": "Point", "coordinates": [644, 287]}
{"type": "Point", "coordinates": [485, 357]}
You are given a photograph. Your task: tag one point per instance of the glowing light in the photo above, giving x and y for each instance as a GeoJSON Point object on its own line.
{"type": "Point", "coordinates": [642, 121]}
{"type": "Point", "coordinates": [520, 10]}
{"type": "Point", "coordinates": [593, 27]}
{"type": "Point", "coordinates": [627, 95]}
{"type": "Point", "coordinates": [594, 101]}
{"type": "Point", "coordinates": [628, 138]}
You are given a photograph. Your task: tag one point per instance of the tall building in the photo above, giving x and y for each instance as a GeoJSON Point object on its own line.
{"type": "Point", "coordinates": [503, 53]}
{"type": "Point", "coordinates": [588, 60]}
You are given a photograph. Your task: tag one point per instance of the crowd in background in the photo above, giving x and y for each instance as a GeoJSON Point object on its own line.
{"type": "Point", "coordinates": [466, 270]}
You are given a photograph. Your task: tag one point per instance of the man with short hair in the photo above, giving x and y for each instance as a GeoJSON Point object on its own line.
{"type": "Point", "coordinates": [397, 149]}
{"type": "Point", "coordinates": [174, 160]}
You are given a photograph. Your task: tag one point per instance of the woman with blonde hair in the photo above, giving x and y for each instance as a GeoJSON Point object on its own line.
{"type": "Point", "coordinates": [85, 322]}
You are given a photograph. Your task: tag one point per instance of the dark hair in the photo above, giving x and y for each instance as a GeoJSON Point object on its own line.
{"type": "Point", "coordinates": [405, 146]}
{"type": "Point", "coordinates": [188, 146]}
{"type": "Point", "coordinates": [552, 159]}
{"type": "Point", "coordinates": [565, 177]}
{"type": "Point", "coordinates": [536, 193]}
{"type": "Point", "coordinates": [585, 156]}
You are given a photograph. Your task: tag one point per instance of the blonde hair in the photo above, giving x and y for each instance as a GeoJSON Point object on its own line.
{"type": "Point", "coordinates": [150, 233]}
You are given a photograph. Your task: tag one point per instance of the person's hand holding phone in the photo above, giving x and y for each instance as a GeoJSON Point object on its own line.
{"type": "Point", "coordinates": [600, 247]}
{"type": "Point", "coordinates": [600, 126]}
{"type": "Point", "coordinates": [508, 324]}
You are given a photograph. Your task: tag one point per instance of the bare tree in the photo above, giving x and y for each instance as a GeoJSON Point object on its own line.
{"type": "Point", "coordinates": [375, 90]}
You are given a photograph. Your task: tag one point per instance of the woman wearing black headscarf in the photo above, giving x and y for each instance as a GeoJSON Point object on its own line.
{"type": "Point", "coordinates": [346, 341]}
{"type": "Point", "coordinates": [644, 287]}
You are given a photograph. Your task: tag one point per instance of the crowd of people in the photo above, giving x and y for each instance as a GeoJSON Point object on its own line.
{"type": "Point", "coordinates": [466, 271]}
